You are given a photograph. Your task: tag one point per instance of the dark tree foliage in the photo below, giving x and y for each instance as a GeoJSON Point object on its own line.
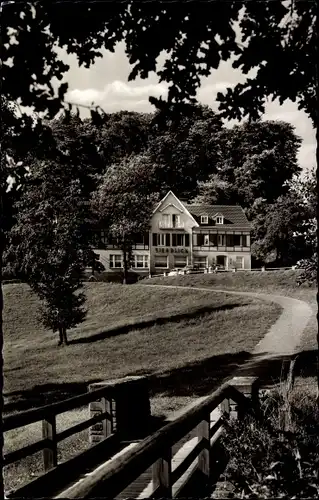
{"type": "Point", "coordinates": [123, 202]}
{"type": "Point", "coordinates": [186, 150]}
{"type": "Point", "coordinates": [120, 135]}
{"type": "Point", "coordinates": [256, 161]}
{"type": "Point", "coordinates": [280, 231]}
{"type": "Point", "coordinates": [48, 244]}
{"type": "Point", "coordinates": [197, 38]}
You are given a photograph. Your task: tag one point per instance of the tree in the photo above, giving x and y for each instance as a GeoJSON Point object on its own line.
{"type": "Point", "coordinates": [257, 161]}
{"type": "Point", "coordinates": [48, 244]}
{"type": "Point", "coordinates": [124, 200]}
{"type": "Point", "coordinates": [308, 191]}
{"type": "Point", "coordinates": [121, 134]}
{"type": "Point", "coordinates": [197, 38]}
{"type": "Point", "coordinates": [255, 170]}
{"type": "Point", "coordinates": [279, 231]}
{"type": "Point", "coordinates": [186, 144]}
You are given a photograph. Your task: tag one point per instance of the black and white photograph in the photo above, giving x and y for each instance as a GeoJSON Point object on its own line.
{"type": "Point", "coordinates": [158, 249]}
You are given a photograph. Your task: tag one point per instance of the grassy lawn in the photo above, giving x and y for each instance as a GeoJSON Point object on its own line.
{"type": "Point", "coordinates": [186, 341]}
{"type": "Point", "coordinates": [128, 331]}
{"type": "Point", "coordinates": [276, 282]}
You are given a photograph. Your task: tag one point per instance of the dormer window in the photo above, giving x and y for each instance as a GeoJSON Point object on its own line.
{"type": "Point", "coordinates": [219, 219]}
{"type": "Point", "coordinates": [204, 219]}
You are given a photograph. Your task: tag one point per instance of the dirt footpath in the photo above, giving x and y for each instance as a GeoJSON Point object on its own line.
{"type": "Point", "coordinates": [285, 335]}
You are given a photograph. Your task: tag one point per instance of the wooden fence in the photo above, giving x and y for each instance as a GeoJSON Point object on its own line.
{"type": "Point", "coordinates": [156, 451]}
{"type": "Point", "coordinates": [210, 271]}
{"type": "Point", "coordinates": [114, 394]}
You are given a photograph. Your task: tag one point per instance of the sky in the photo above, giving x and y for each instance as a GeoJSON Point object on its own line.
{"type": "Point", "coordinates": [106, 84]}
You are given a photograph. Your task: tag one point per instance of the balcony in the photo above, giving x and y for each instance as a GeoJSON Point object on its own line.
{"type": "Point", "coordinates": [170, 225]}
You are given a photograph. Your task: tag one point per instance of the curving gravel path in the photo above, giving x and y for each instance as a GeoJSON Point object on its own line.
{"type": "Point", "coordinates": [284, 337]}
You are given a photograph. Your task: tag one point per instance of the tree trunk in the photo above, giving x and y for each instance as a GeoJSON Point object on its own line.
{"type": "Point", "coordinates": [60, 336]}
{"type": "Point", "coordinates": [124, 265]}
{"type": "Point", "coordinates": [63, 339]}
{"type": "Point", "coordinates": [64, 335]}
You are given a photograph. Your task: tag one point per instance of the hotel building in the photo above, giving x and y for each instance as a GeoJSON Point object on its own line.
{"type": "Point", "coordinates": [184, 234]}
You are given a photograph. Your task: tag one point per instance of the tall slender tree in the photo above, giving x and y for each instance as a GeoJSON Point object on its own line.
{"type": "Point", "coordinates": [49, 245]}
{"type": "Point", "coordinates": [124, 201]}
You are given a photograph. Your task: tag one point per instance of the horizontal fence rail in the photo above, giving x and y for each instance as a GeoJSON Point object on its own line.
{"type": "Point", "coordinates": [156, 451]}
{"type": "Point", "coordinates": [210, 271]}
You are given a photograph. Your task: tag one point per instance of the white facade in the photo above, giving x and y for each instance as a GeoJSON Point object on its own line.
{"type": "Point", "coordinates": [178, 238]}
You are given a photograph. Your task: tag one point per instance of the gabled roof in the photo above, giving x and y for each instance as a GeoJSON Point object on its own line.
{"type": "Point", "coordinates": [179, 201]}
{"type": "Point", "coordinates": [171, 205]}
{"type": "Point", "coordinates": [234, 215]}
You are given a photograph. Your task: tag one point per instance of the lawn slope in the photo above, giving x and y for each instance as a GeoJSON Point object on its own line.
{"type": "Point", "coordinates": [128, 330]}
{"type": "Point", "coordinates": [186, 341]}
{"type": "Point", "coordinates": [272, 282]}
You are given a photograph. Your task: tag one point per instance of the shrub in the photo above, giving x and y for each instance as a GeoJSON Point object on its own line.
{"type": "Point", "coordinates": [309, 270]}
{"type": "Point", "coordinates": [266, 461]}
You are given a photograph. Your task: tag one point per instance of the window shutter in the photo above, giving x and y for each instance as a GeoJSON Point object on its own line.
{"type": "Point", "coordinates": [186, 240]}
{"type": "Point", "coordinates": [168, 240]}
{"type": "Point", "coordinates": [154, 239]}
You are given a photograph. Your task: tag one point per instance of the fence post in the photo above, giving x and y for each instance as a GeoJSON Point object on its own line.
{"type": "Point", "coordinates": [50, 453]}
{"type": "Point", "coordinates": [130, 406]}
{"type": "Point", "coordinates": [161, 474]}
{"type": "Point", "coordinates": [203, 433]}
{"type": "Point", "coordinates": [103, 429]}
{"type": "Point", "coordinates": [248, 386]}
{"type": "Point", "coordinates": [225, 407]}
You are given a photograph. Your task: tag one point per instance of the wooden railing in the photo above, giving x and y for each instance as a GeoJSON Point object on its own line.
{"type": "Point", "coordinates": [156, 451]}
{"type": "Point", "coordinates": [47, 414]}
{"type": "Point", "coordinates": [207, 270]}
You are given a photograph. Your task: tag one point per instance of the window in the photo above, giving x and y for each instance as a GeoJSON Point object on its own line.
{"type": "Point", "coordinates": [239, 263]}
{"type": "Point", "coordinates": [201, 262]}
{"type": "Point", "coordinates": [236, 240]}
{"type": "Point", "coordinates": [176, 220]}
{"type": "Point", "coordinates": [180, 261]}
{"type": "Point", "coordinates": [141, 240]}
{"type": "Point", "coordinates": [141, 261]}
{"type": "Point", "coordinates": [219, 219]}
{"type": "Point", "coordinates": [229, 240]}
{"type": "Point", "coordinates": [244, 240]}
{"type": "Point", "coordinates": [206, 239]}
{"type": "Point", "coordinates": [154, 236]}
{"type": "Point", "coordinates": [213, 239]}
{"type": "Point", "coordinates": [161, 240]}
{"type": "Point", "coordinates": [199, 240]}
{"type": "Point", "coordinates": [161, 261]}
{"type": "Point", "coordinates": [116, 261]}
{"type": "Point", "coordinates": [221, 240]}
{"type": "Point", "coordinates": [204, 219]}
{"type": "Point", "coordinates": [165, 220]}
{"type": "Point", "coordinates": [180, 240]}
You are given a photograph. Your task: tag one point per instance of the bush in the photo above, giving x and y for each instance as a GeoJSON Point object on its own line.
{"type": "Point", "coordinates": [309, 270]}
{"type": "Point", "coordinates": [266, 461]}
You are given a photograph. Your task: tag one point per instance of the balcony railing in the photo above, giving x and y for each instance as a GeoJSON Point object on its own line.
{"type": "Point", "coordinates": [170, 225]}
